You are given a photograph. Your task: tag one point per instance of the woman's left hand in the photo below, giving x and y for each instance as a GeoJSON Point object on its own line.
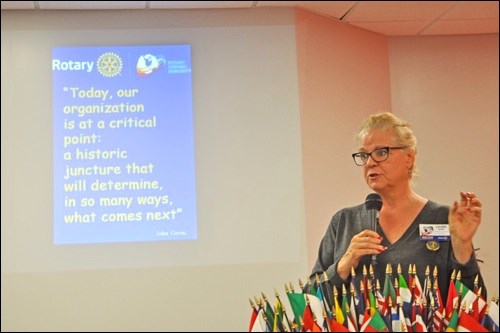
{"type": "Point", "coordinates": [464, 219]}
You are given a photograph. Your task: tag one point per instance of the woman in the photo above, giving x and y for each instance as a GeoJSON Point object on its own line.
{"type": "Point", "coordinates": [387, 156]}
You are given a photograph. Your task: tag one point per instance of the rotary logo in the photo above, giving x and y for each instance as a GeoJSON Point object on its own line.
{"type": "Point", "coordinates": [109, 64]}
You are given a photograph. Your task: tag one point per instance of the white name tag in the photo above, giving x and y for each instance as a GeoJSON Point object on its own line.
{"type": "Point", "coordinates": [438, 232]}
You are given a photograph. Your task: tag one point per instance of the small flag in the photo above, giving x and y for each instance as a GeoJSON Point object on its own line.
{"type": "Point", "coordinates": [466, 323]}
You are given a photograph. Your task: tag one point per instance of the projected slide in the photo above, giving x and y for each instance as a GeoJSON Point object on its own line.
{"type": "Point", "coordinates": [124, 168]}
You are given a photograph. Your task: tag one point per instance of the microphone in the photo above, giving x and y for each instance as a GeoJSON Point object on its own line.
{"type": "Point", "coordinates": [373, 204]}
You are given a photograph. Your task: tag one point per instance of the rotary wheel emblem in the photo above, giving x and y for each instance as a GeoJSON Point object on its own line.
{"type": "Point", "coordinates": [109, 64]}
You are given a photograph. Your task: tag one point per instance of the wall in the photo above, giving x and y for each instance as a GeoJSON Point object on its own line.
{"type": "Point", "coordinates": [248, 171]}
{"type": "Point", "coordinates": [343, 77]}
{"type": "Point", "coordinates": [447, 87]}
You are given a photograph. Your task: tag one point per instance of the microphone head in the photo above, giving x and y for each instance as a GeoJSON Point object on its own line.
{"type": "Point", "coordinates": [373, 201]}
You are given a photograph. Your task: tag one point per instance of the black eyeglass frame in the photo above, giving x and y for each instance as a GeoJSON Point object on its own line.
{"type": "Point", "coordinates": [368, 155]}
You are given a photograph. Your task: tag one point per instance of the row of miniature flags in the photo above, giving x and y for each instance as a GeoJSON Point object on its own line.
{"type": "Point", "coordinates": [393, 308]}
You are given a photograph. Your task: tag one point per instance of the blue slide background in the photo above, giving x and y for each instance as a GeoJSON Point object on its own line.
{"type": "Point", "coordinates": [144, 121]}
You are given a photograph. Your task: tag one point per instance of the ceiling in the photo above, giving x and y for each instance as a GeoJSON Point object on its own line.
{"type": "Point", "coordinates": [390, 18]}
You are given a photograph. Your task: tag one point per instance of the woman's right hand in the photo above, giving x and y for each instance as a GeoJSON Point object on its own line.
{"type": "Point", "coordinates": [367, 242]}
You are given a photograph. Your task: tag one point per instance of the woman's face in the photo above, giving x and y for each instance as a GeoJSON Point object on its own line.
{"type": "Point", "coordinates": [391, 173]}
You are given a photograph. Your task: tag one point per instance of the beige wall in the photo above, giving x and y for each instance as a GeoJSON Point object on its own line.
{"type": "Point", "coordinates": [447, 87]}
{"type": "Point", "coordinates": [248, 169]}
{"type": "Point", "coordinates": [343, 77]}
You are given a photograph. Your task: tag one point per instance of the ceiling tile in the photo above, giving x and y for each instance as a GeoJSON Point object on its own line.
{"type": "Point", "coordinates": [335, 9]}
{"type": "Point", "coordinates": [380, 11]}
{"type": "Point", "coordinates": [18, 5]}
{"type": "Point", "coordinates": [462, 27]}
{"type": "Point", "coordinates": [406, 28]}
{"type": "Point", "coordinates": [199, 4]}
{"type": "Point", "coordinates": [473, 10]}
{"type": "Point", "coordinates": [90, 5]}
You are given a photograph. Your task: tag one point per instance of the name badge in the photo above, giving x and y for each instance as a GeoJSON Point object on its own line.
{"type": "Point", "coordinates": [435, 232]}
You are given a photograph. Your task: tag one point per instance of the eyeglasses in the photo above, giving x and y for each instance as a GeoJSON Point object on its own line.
{"type": "Point", "coordinates": [378, 155]}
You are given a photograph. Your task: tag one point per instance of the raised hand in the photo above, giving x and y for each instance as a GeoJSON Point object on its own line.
{"type": "Point", "coordinates": [464, 219]}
